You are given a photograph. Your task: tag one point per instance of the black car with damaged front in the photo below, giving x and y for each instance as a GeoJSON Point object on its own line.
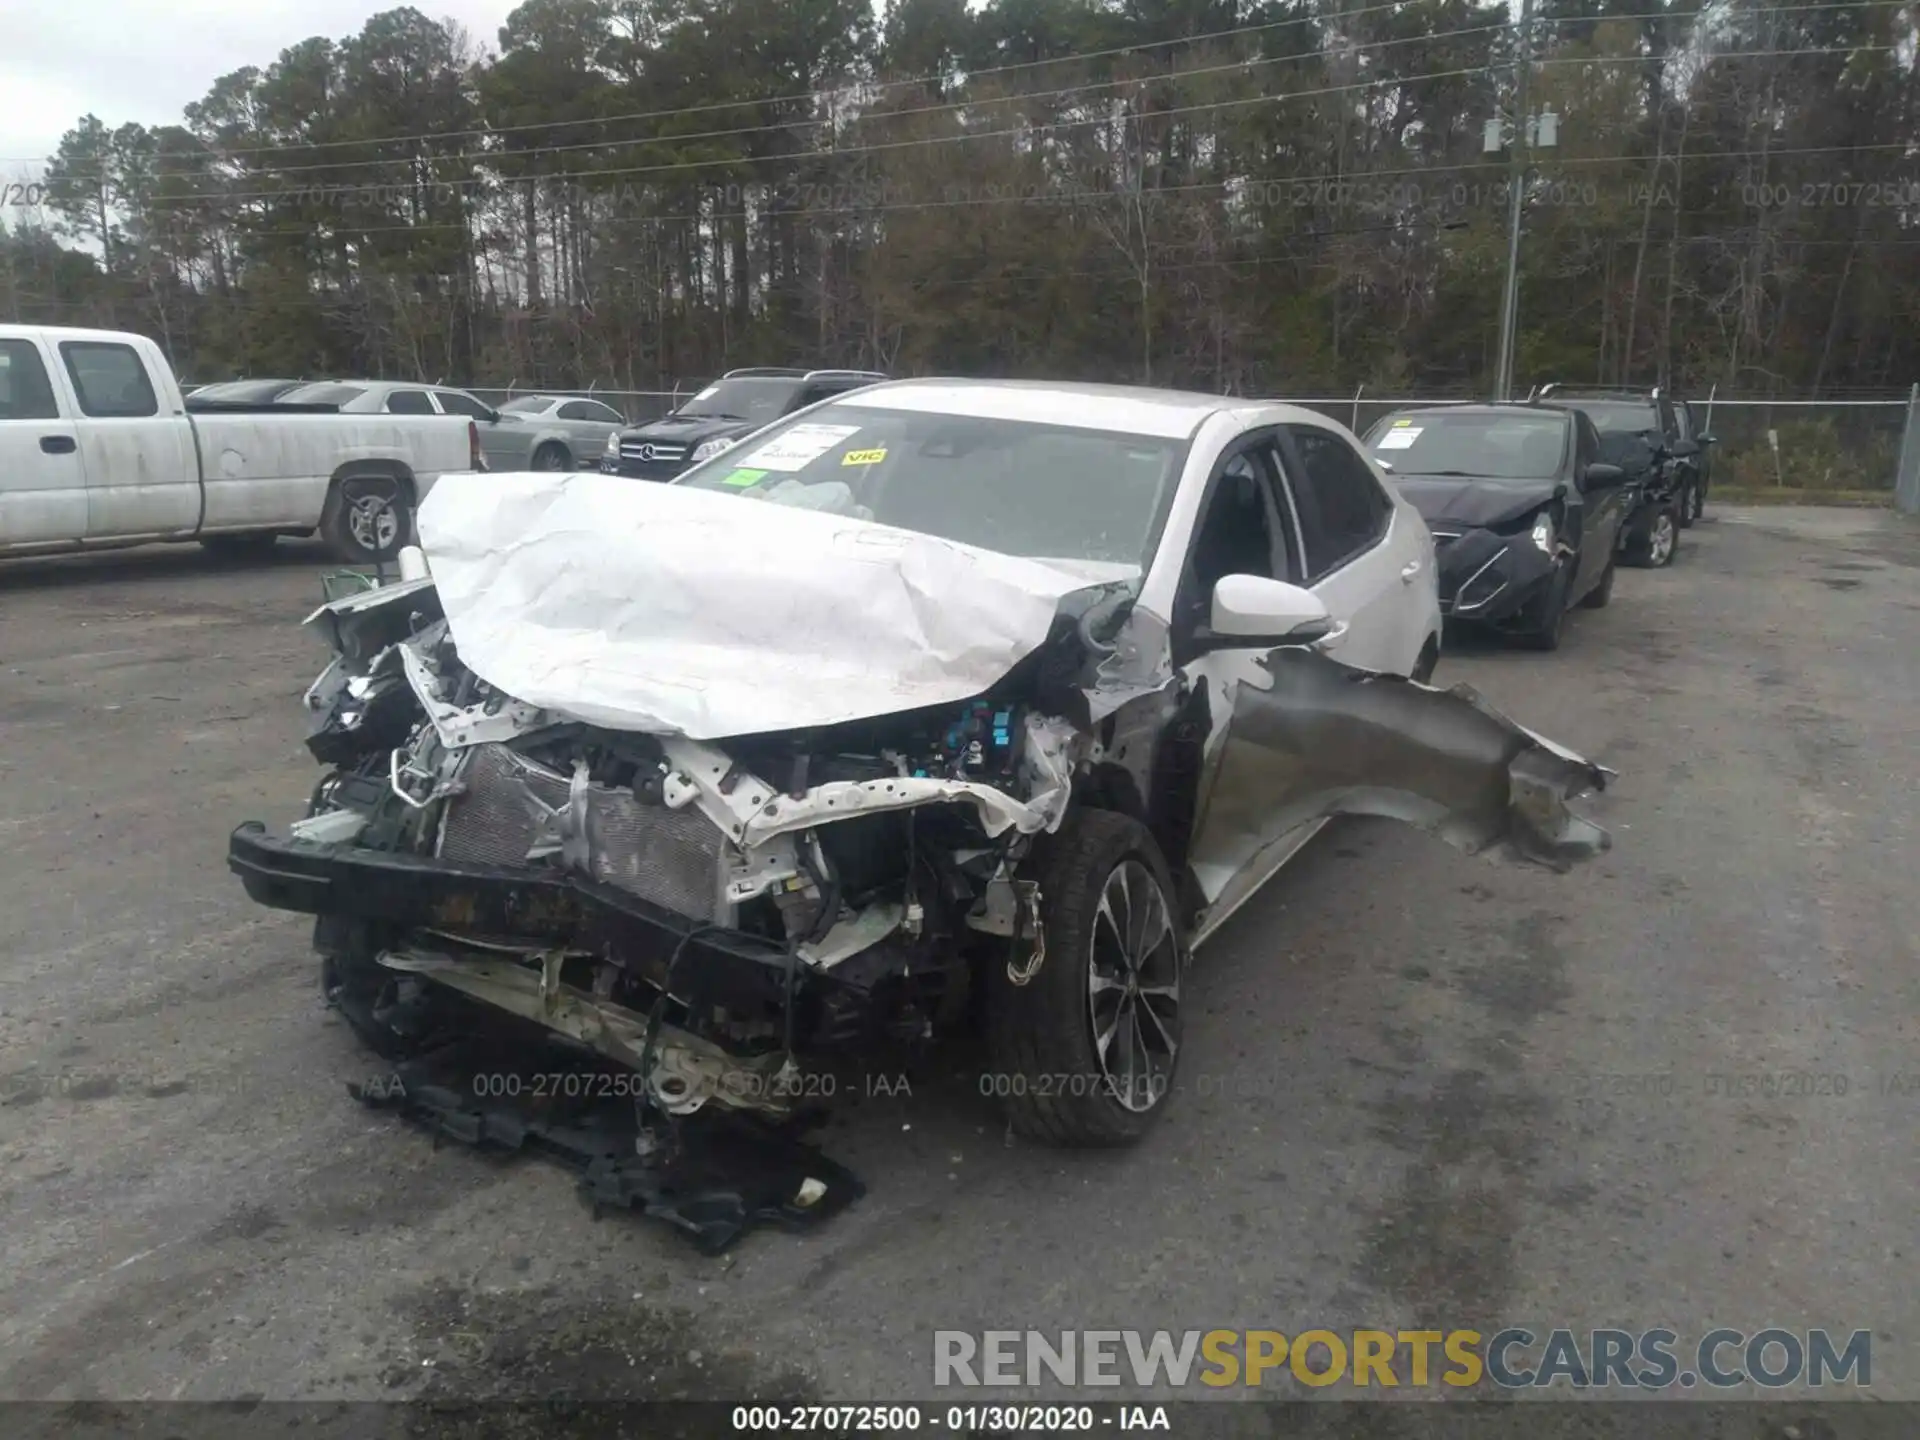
{"type": "Point", "coordinates": [1523, 512]}
{"type": "Point", "coordinates": [1640, 432]}
{"type": "Point", "coordinates": [733, 407]}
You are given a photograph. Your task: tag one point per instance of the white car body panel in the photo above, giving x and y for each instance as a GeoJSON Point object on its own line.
{"type": "Point", "coordinates": [754, 618]}
{"type": "Point", "coordinates": [175, 476]}
{"type": "Point", "coordinates": [669, 610]}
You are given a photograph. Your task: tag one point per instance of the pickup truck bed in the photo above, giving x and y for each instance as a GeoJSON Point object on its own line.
{"type": "Point", "coordinates": [97, 449]}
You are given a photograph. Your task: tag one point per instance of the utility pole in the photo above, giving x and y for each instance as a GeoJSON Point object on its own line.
{"type": "Point", "coordinates": [1519, 139]}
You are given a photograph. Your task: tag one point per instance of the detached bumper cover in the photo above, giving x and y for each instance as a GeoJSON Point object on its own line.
{"type": "Point", "coordinates": [1484, 576]}
{"type": "Point", "coordinates": [715, 966]}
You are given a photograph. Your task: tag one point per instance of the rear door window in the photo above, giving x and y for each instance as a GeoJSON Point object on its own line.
{"type": "Point", "coordinates": [455, 403]}
{"type": "Point", "coordinates": [1341, 507]}
{"type": "Point", "coordinates": [26, 390]}
{"type": "Point", "coordinates": [410, 402]}
{"type": "Point", "coordinates": [109, 379]}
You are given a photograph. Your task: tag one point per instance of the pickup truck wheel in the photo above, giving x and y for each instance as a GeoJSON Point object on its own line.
{"type": "Point", "coordinates": [1083, 1052]}
{"type": "Point", "coordinates": [367, 518]}
{"type": "Point", "coordinates": [256, 546]}
{"type": "Point", "coordinates": [552, 457]}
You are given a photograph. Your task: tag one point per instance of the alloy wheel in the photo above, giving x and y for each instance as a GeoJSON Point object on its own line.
{"type": "Point", "coordinates": [373, 521]}
{"type": "Point", "coordinates": [1660, 541]}
{"type": "Point", "coordinates": [1133, 987]}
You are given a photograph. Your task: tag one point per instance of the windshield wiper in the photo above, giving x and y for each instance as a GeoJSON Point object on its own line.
{"type": "Point", "coordinates": [712, 415]}
{"type": "Point", "coordinates": [1447, 475]}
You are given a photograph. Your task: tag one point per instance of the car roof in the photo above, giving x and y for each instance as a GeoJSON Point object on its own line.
{"type": "Point", "coordinates": [1125, 409]}
{"type": "Point", "coordinates": [1514, 409]}
{"type": "Point", "coordinates": [1583, 402]}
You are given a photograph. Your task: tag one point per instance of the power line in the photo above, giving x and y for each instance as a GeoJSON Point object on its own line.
{"type": "Point", "coordinates": [947, 107]}
{"type": "Point", "coordinates": [859, 89]}
{"type": "Point", "coordinates": [1058, 199]}
{"type": "Point", "coordinates": [1054, 127]}
{"type": "Point", "coordinates": [824, 93]}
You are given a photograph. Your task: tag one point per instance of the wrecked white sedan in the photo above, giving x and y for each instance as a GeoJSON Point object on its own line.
{"type": "Point", "coordinates": [943, 702]}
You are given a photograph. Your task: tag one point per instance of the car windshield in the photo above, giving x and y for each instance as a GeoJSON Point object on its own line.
{"type": "Point", "coordinates": [759, 398]}
{"type": "Point", "coordinates": [241, 391]}
{"type": "Point", "coordinates": [526, 405]}
{"type": "Point", "coordinates": [1486, 447]}
{"type": "Point", "coordinates": [1045, 491]}
{"type": "Point", "coordinates": [324, 394]}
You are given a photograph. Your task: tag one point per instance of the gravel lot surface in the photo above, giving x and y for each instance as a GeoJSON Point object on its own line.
{"type": "Point", "coordinates": [1413, 1089]}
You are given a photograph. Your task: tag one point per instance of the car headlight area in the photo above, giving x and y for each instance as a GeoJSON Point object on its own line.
{"type": "Point", "coordinates": [1488, 577]}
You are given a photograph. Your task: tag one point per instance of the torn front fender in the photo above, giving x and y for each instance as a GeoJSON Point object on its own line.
{"type": "Point", "coordinates": [1323, 739]}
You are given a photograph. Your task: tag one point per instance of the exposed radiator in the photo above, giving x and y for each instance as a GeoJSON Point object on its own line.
{"type": "Point", "coordinates": [672, 858]}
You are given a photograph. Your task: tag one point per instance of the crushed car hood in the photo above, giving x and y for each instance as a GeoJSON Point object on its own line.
{"type": "Point", "coordinates": [673, 611]}
{"type": "Point", "coordinates": [1473, 503]}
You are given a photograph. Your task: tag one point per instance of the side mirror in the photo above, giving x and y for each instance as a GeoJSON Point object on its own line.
{"type": "Point", "coordinates": [1600, 475]}
{"type": "Point", "coordinates": [493, 417]}
{"type": "Point", "coordinates": [1253, 610]}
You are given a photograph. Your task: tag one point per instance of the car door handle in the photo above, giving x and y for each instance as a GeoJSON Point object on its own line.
{"type": "Point", "coordinates": [57, 444]}
{"type": "Point", "coordinates": [1409, 570]}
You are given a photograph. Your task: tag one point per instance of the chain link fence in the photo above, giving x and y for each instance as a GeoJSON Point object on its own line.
{"type": "Point", "coordinates": [1805, 445]}
{"type": "Point", "coordinates": [1906, 492]}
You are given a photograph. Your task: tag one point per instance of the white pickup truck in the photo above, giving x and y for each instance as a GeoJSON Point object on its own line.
{"type": "Point", "coordinates": [97, 450]}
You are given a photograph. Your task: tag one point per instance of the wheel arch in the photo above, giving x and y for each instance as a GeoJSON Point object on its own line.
{"type": "Point", "coordinates": [381, 469]}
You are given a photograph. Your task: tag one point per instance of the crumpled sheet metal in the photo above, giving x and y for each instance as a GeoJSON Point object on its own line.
{"type": "Point", "coordinates": [752, 812]}
{"type": "Point", "coordinates": [661, 609]}
{"type": "Point", "coordinates": [1326, 740]}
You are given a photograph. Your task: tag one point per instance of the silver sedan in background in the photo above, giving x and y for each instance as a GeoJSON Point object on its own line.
{"type": "Point", "coordinates": [534, 432]}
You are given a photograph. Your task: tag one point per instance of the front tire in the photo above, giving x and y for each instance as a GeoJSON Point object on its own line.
{"type": "Point", "coordinates": [368, 518]}
{"type": "Point", "coordinates": [1428, 662]}
{"type": "Point", "coordinates": [1689, 505]}
{"type": "Point", "coordinates": [1084, 1053]}
{"type": "Point", "coordinates": [1550, 620]}
{"type": "Point", "coordinates": [1653, 545]}
{"type": "Point", "coordinates": [552, 457]}
{"type": "Point", "coordinates": [1597, 598]}
{"type": "Point", "coordinates": [395, 1016]}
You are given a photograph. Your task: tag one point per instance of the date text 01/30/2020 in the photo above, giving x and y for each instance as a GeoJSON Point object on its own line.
{"type": "Point", "coordinates": [962, 1419]}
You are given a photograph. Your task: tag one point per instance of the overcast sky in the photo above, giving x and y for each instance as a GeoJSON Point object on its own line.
{"type": "Point", "coordinates": [146, 60]}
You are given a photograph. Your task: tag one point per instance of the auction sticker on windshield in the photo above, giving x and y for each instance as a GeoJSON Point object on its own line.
{"type": "Point", "coordinates": [800, 446]}
{"type": "Point", "coordinates": [743, 479]}
{"type": "Point", "coordinates": [1400, 437]}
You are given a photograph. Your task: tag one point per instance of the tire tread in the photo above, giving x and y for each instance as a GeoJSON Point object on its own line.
{"type": "Point", "coordinates": [1032, 1040]}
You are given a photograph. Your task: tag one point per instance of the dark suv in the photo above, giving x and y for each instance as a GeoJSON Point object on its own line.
{"type": "Point", "coordinates": [1645, 435]}
{"type": "Point", "coordinates": [733, 407]}
{"type": "Point", "coordinates": [1695, 449]}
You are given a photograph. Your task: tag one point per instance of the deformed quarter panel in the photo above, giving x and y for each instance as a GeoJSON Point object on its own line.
{"type": "Point", "coordinates": [1323, 739]}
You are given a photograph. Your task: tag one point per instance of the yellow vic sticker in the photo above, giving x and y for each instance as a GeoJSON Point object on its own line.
{"type": "Point", "coordinates": [864, 457]}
